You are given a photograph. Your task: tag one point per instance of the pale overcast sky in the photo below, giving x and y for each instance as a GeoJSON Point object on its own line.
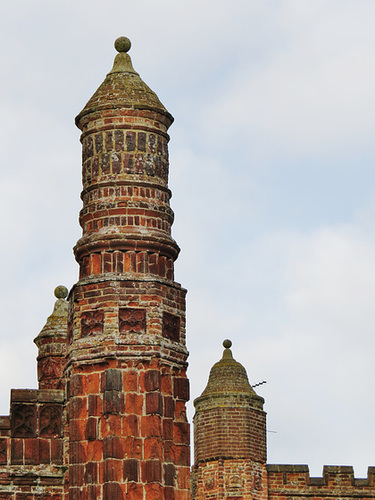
{"type": "Point", "coordinates": [272, 173]}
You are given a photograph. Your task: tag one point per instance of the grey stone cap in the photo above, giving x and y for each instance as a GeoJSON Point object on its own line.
{"type": "Point", "coordinates": [287, 468]}
{"type": "Point", "coordinates": [35, 395]}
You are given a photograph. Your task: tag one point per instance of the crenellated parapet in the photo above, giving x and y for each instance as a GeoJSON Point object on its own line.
{"type": "Point", "coordinates": [337, 481]}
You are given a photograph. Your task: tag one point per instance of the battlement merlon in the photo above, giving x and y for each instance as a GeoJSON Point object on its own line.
{"type": "Point", "coordinates": [290, 477]}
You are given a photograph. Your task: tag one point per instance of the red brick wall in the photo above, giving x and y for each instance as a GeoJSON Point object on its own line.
{"type": "Point", "coordinates": [128, 430]}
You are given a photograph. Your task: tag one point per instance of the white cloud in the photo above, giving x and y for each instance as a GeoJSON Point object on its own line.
{"type": "Point", "coordinates": [333, 273]}
{"type": "Point", "coordinates": [313, 96]}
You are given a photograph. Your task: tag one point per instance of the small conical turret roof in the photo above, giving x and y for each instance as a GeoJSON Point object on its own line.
{"type": "Point", "coordinates": [123, 88]}
{"type": "Point", "coordinates": [228, 378]}
{"type": "Point", "coordinates": [56, 325]}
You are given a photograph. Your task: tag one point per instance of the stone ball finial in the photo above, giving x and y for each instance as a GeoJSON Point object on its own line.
{"type": "Point", "coordinates": [122, 44]}
{"type": "Point", "coordinates": [61, 292]}
{"type": "Point", "coordinates": [227, 344]}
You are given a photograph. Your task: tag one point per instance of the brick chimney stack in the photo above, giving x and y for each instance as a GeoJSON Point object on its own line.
{"type": "Point", "coordinates": [126, 355]}
{"type": "Point", "coordinates": [229, 436]}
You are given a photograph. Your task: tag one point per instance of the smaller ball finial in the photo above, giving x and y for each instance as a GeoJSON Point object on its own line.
{"type": "Point", "coordinates": [123, 44]}
{"type": "Point", "coordinates": [227, 343]}
{"type": "Point", "coordinates": [61, 292]}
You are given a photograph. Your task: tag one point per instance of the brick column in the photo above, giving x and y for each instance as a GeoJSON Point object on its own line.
{"type": "Point", "coordinates": [229, 436]}
{"type": "Point", "coordinates": [129, 437]}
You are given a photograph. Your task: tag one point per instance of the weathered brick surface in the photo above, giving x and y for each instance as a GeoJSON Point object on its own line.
{"type": "Point", "coordinates": [237, 432]}
{"type": "Point", "coordinates": [229, 478]}
{"type": "Point", "coordinates": [130, 445]}
{"type": "Point", "coordinates": [31, 449]}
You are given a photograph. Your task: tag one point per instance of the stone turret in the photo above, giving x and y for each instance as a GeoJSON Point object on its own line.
{"type": "Point", "coordinates": [51, 343]}
{"type": "Point", "coordinates": [126, 355]}
{"type": "Point", "coordinates": [126, 217]}
{"type": "Point", "coordinates": [229, 435]}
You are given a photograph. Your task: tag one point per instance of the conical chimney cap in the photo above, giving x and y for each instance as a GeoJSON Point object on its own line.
{"type": "Point", "coordinates": [228, 379]}
{"type": "Point", "coordinates": [122, 88]}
